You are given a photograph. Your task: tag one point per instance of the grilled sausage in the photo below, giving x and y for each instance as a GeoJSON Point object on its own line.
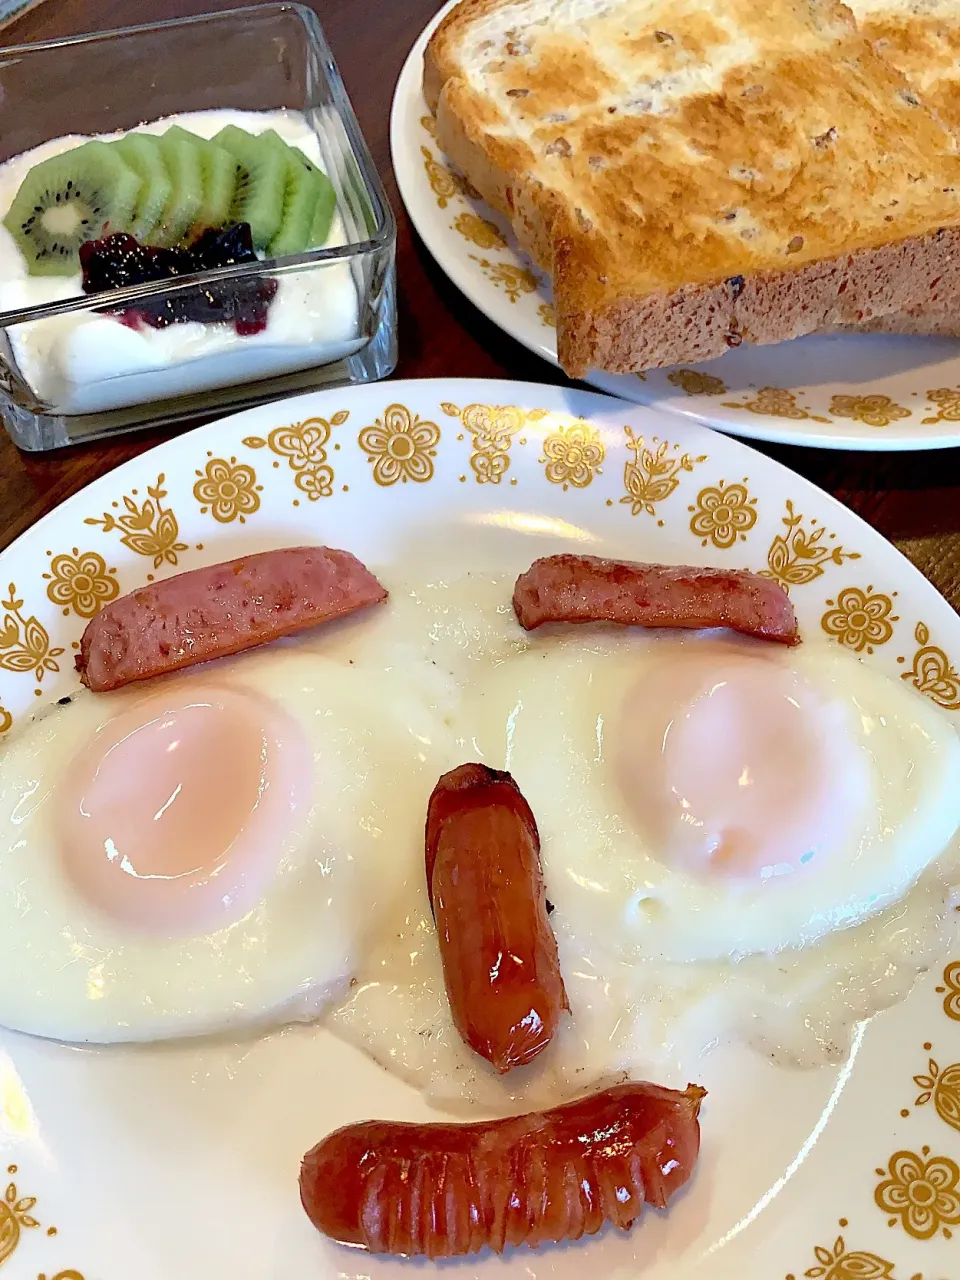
{"type": "Point", "coordinates": [226, 608]}
{"type": "Point", "coordinates": [568, 588]}
{"type": "Point", "coordinates": [449, 1189]}
{"type": "Point", "coordinates": [500, 961]}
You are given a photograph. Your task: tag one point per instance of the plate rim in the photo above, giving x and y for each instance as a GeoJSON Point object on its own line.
{"type": "Point", "coordinates": [505, 390]}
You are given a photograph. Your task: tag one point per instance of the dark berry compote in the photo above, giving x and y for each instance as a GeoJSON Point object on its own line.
{"type": "Point", "coordinates": [119, 260]}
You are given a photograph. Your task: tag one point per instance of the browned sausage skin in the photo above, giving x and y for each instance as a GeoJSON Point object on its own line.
{"type": "Point", "coordinates": [446, 1189]}
{"type": "Point", "coordinates": [569, 588]}
{"type": "Point", "coordinates": [223, 609]}
{"type": "Point", "coordinates": [499, 953]}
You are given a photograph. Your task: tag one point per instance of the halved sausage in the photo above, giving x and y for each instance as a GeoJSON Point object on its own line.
{"type": "Point", "coordinates": [569, 588]}
{"type": "Point", "coordinates": [223, 609]}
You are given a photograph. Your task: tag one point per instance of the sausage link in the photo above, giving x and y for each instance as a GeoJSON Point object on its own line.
{"type": "Point", "coordinates": [568, 588]}
{"type": "Point", "coordinates": [223, 609]}
{"type": "Point", "coordinates": [444, 1190]}
{"type": "Point", "coordinates": [500, 961]}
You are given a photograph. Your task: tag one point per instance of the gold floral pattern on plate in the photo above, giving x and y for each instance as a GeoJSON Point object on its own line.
{"type": "Point", "coordinates": [15, 1217]}
{"type": "Point", "coordinates": [653, 474]}
{"type": "Point", "coordinates": [24, 641]}
{"type": "Point", "coordinates": [63, 1275]}
{"type": "Point", "coordinates": [304, 446]}
{"type": "Point", "coordinates": [573, 455]}
{"type": "Point", "coordinates": [932, 672]}
{"type": "Point", "coordinates": [6, 720]}
{"type": "Point", "coordinates": [695, 383]}
{"type": "Point", "coordinates": [429, 123]}
{"type": "Point", "coordinates": [724, 514]}
{"type": "Point", "coordinates": [872, 410]}
{"type": "Point", "coordinates": [920, 1192]}
{"type": "Point", "coordinates": [480, 231]}
{"type": "Point", "coordinates": [548, 314]}
{"type": "Point", "coordinates": [515, 281]}
{"type": "Point", "coordinates": [401, 446]}
{"type": "Point", "coordinates": [81, 583]}
{"type": "Point", "coordinates": [775, 402]}
{"type": "Point", "coordinates": [837, 1262]}
{"type": "Point", "coordinates": [444, 182]}
{"type": "Point", "coordinates": [943, 1086]}
{"type": "Point", "coordinates": [228, 490]}
{"type": "Point", "coordinates": [951, 990]}
{"type": "Point", "coordinates": [802, 555]}
{"type": "Point", "coordinates": [147, 528]}
{"type": "Point", "coordinates": [947, 400]}
{"type": "Point", "coordinates": [859, 620]}
{"type": "Point", "coordinates": [492, 428]}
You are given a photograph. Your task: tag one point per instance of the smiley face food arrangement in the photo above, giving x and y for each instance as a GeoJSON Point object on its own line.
{"type": "Point", "coordinates": [580, 841]}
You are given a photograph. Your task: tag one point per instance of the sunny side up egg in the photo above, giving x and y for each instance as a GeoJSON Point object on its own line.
{"type": "Point", "coordinates": [702, 798]}
{"type": "Point", "coordinates": [207, 851]}
{"type": "Point", "coordinates": [740, 841]}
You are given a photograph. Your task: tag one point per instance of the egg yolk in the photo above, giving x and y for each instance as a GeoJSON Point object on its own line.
{"type": "Point", "coordinates": [736, 765]}
{"type": "Point", "coordinates": [174, 816]}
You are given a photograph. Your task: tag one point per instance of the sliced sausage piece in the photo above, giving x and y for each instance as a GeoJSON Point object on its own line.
{"type": "Point", "coordinates": [444, 1190]}
{"type": "Point", "coordinates": [568, 588]}
{"type": "Point", "coordinates": [499, 953]}
{"type": "Point", "coordinates": [223, 609]}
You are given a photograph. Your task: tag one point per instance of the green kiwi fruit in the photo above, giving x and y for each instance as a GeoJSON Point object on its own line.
{"type": "Point", "coordinates": [220, 177]}
{"type": "Point", "coordinates": [324, 209]}
{"type": "Point", "coordinates": [142, 152]}
{"type": "Point", "coordinates": [308, 202]}
{"type": "Point", "coordinates": [261, 183]}
{"type": "Point", "coordinates": [64, 201]}
{"type": "Point", "coordinates": [183, 163]}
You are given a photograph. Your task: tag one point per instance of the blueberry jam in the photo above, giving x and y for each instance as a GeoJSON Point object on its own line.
{"type": "Point", "coordinates": [119, 260]}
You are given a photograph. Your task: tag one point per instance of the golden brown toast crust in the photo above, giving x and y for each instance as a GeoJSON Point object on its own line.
{"type": "Point", "coordinates": [922, 41]}
{"type": "Point", "coordinates": [790, 182]}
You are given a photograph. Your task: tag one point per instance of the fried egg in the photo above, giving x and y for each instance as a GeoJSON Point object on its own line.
{"type": "Point", "coordinates": [210, 850]}
{"type": "Point", "coordinates": [702, 798]}
{"type": "Point", "coordinates": [739, 841]}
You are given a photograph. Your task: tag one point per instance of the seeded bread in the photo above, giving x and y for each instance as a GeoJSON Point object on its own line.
{"type": "Point", "coordinates": [698, 173]}
{"type": "Point", "coordinates": [921, 38]}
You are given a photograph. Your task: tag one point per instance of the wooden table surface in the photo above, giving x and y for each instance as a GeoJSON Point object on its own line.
{"type": "Point", "coordinates": [913, 499]}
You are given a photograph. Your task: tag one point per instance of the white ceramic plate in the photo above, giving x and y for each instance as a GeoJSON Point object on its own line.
{"type": "Point", "coordinates": [871, 392]}
{"type": "Point", "coordinates": [180, 1161]}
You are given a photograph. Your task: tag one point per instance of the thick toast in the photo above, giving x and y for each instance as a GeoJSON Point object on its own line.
{"type": "Point", "coordinates": [697, 173]}
{"type": "Point", "coordinates": [923, 41]}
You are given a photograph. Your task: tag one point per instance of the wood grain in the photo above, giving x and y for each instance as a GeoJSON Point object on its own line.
{"type": "Point", "coordinates": [912, 499]}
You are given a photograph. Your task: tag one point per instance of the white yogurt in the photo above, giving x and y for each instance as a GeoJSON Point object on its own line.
{"type": "Point", "coordinates": [87, 363]}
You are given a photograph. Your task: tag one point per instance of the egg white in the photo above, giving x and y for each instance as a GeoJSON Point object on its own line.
{"type": "Point", "coordinates": [75, 974]}
{"type": "Point", "coordinates": [661, 965]}
{"type": "Point", "coordinates": [553, 718]}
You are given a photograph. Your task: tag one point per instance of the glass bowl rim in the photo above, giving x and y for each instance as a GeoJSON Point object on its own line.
{"type": "Point", "coordinates": [382, 239]}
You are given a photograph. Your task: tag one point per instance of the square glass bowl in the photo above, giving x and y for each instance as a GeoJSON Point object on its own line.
{"type": "Point", "coordinates": [69, 370]}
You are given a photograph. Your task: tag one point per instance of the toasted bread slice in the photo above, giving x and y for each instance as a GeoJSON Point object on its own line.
{"type": "Point", "coordinates": [696, 173]}
{"type": "Point", "coordinates": [923, 41]}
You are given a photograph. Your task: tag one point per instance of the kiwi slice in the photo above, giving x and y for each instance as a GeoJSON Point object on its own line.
{"type": "Point", "coordinates": [323, 211]}
{"type": "Point", "coordinates": [182, 160]}
{"type": "Point", "coordinates": [220, 176]}
{"type": "Point", "coordinates": [298, 205]}
{"type": "Point", "coordinates": [142, 152]}
{"type": "Point", "coordinates": [261, 183]}
{"type": "Point", "coordinates": [308, 201]}
{"type": "Point", "coordinates": [73, 197]}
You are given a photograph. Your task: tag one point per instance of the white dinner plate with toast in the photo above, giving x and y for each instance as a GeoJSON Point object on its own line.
{"type": "Point", "coordinates": [870, 392]}
{"type": "Point", "coordinates": [180, 1158]}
